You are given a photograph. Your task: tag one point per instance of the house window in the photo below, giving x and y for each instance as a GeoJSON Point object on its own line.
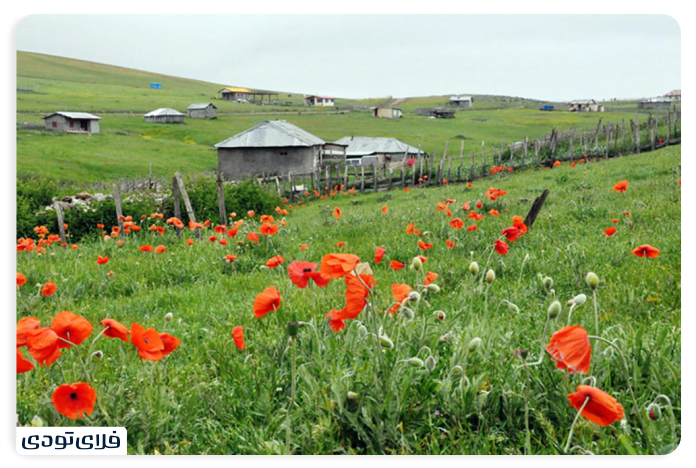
{"type": "Point", "coordinates": [54, 124]}
{"type": "Point", "coordinates": [283, 153]}
{"type": "Point", "coordinates": [71, 124]}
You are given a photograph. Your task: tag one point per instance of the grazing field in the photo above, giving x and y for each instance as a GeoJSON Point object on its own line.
{"type": "Point", "coordinates": [460, 367]}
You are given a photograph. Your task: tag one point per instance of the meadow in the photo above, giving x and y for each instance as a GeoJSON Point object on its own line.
{"type": "Point", "coordinates": [459, 368]}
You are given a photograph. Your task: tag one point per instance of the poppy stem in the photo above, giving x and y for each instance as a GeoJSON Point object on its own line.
{"type": "Point", "coordinates": [596, 311]}
{"type": "Point", "coordinates": [526, 410]}
{"type": "Point", "coordinates": [293, 389]}
{"type": "Point", "coordinates": [673, 423]}
{"type": "Point", "coordinates": [572, 426]}
{"type": "Point", "coordinates": [625, 363]}
{"type": "Point", "coordinates": [570, 313]}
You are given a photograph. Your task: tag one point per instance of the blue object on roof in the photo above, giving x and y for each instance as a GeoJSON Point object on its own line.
{"type": "Point", "coordinates": [546, 108]}
{"type": "Point", "coordinates": [156, 85]}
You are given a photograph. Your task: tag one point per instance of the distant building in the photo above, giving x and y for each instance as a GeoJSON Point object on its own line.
{"type": "Point", "coordinates": [164, 115]}
{"type": "Point", "coordinates": [155, 85]}
{"type": "Point", "coordinates": [205, 110]}
{"type": "Point", "coordinates": [655, 103]}
{"type": "Point", "coordinates": [377, 151]}
{"type": "Point", "coordinates": [235, 94]}
{"type": "Point", "coordinates": [72, 122]}
{"type": "Point", "coordinates": [461, 101]}
{"type": "Point", "coordinates": [320, 101]}
{"type": "Point", "coordinates": [674, 95]}
{"type": "Point", "coordinates": [273, 147]}
{"type": "Point", "coordinates": [386, 112]}
{"type": "Point", "coordinates": [585, 105]}
{"type": "Point", "coordinates": [437, 113]}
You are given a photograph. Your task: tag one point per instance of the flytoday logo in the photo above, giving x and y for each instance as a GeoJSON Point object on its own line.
{"type": "Point", "coordinates": [71, 441]}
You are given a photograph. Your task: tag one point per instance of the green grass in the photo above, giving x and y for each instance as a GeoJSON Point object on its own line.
{"type": "Point", "coordinates": [209, 397]}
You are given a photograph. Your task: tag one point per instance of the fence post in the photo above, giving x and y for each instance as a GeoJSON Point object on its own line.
{"type": "Point", "coordinates": [570, 146]}
{"type": "Point", "coordinates": [403, 177]}
{"type": "Point", "coordinates": [362, 179]}
{"type": "Point", "coordinates": [277, 184]}
{"type": "Point", "coordinates": [461, 162]}
{"type": "Point", "coordinates": [536, 153]}
{"type": "Point", "coordinates": [473, 165]}
{"type": "Point", "coordinates": [524, 157]}
{"type": "Point", "coordinates": [669, 127]}
{"type": "Point", "coordinates": [119, 211]}
{"type": "Point", "coordinates": [502, 148]}
{"type": "Point", "coordinates": [187, 202]}
{"type": "Point", "coordinates": [221, 200]}
{"type": "Point", "coordinates": [61, 223]}
{"type": "Point", "coordinates": [389, 184]}
{"type": "Point", "coordinates": [177, 203]}
{"type": "Point", "coordinates": [374, 177]}
{"type": "Point", "coordinates": [607, 135]}
{"type": "Point", "coordinates": [483, 157]}
{"type": "Point", "coordinates": [653, 131]}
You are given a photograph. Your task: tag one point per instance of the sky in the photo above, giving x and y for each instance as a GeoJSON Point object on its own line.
{"type": "Point", "coordinates": [547, 57]}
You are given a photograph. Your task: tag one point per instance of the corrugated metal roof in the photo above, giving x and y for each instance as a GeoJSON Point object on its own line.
{"type": "Point", "coordinates": [272, 134]}
{"type": "Point", "coordinates": [75, 115]}
{"type": "Point", "coordinates": [163, 111]}
{"type": "Point", "coordinates": [460, 98]}
{"type": "Point", "coordinates": [656, 99]}
{"type": "Point", "coordinates": [364, 146]}
{"type": "Point", "coordinates": [202, 105]}
{"type": "Point", "coordinates": [583, 101]}
{"type": "Point", "coordinates": [234, 90]}
{"type": "Point", "coordinates": [320, 97]}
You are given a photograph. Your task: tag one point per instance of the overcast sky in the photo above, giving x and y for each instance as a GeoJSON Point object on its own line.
{"type": "Point", "coordinates": [545, 57]}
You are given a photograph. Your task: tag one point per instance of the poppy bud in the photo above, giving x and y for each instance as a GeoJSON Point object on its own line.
{"type": "Point", "coordinates": [458, 370]}
{"type": "Point", "coordinates": [415, 362]}
{"type": "Point", "coordinates": [293, 328]}
{"type": "Point", "coordinates": [98, 354]}
{"type": "Point", "coordinates": [474, 268]}
{"type": "Point", "coordinates": [592, 280]}
{"type": "Point", "coordinates": [416, 264]}
{"type": "Point", "coordinates": [433, 288]}
{"type": "Point", "coordinates": [430, 363]}
{"type": "Point", "coordinates": [352, 396]}
{"type": "Point", "coordinates": [386, 342]}
{"type": "Point", "coordinates": [36, 421]}
{"type": "Point", "coordinates": [654, 412]}
{"type": "Point", "coordinates": [579, 300]}
{"type": "Point", "coordinates": [547, 282]}
{"type": "Point", "coordinates": [490, 276]}
{"type": "Point", "coordinates": [446, 336]}
{"type": "Point", "coordinates": [554, 310]}
{"type": "Point", "coordinates": [413, 296]}
{"type": "Point", "coordinates": [168, 317]}
{"type": "Point", "coordinates": [408, 313]}
{"type": "Point", "coordinates": [440, 315]}
{"type": "Point", "coordinates": [474, 344]}
{"type": "Point", "coordinates": [362, 332]}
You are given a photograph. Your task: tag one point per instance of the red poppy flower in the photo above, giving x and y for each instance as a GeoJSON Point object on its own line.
{"type": "Point", "coordinates": [449, 243]}
{"type": "Point", "coordinates": [49, 288]}
{"type": "Point", "coordinates": [511, 233]}
{"type": "Point", "coordinates": [238, 337]}
{"type": "Point", "coordinates": [627, 213]}
{"type": "Point", "coordinates": [71, 327]}
{"type": "Point", "coordinates": [266, 301]}
{"type": "Point", "coordinates": [410, 228]}
{"type": "Point", "coordinates": [102, 260]}
{"type": "Point", "coordinates": [74, 400]}
{"type": "Point", "coordinates": [189, 241]}
{"type": "Point", "coordinates": [573, 164]}
{"type": "Point", "coordinates": [337, 212]}
{"type": "Point", "coordinates": [518, 222]}
{"type": "Point", "coordinates": [501, 247]}
{"type": "Point", "coordinates": [115, 329]}
{"type": "Point", "coordinates": [100, 226]}
{"type": "Point", "coordinates": [570, 348]}
{"type": "Point", "coordinates": [457, 223]}
{"type": "Point", "coordinates": [43, 345]}
{"type": "Point", "coordinates": [385, 209]}
{"type": "Point", "coordinates": [621, 186]}
{"type": "Point", "coordinates": [303, 247]}
{"type": "Point", "coordinates": [23, 326]}
{"type": "Point", "coordinates": [160, 249]}
{"type": "Point", "coordinates": [400, 293]}
{"type": "Point", "coordinates": [336, 324]}
{"type": "Point", "coordinates": [253, 237]}
{"type": "Point", "coordinates": [230, 258]}
{"type": "Point", "coordinates": [645, 250]}
{"type": "Point", "coordinates": [340, 244]}
{"type": "Point", "coordinates": [493, 212]}
{"type": "Point", "coordinates": [23, 364]}
{"type": "Point", "coordinates": [338, 265]}
{"type": "Point", "coordinates": [213, 238]}
{"type": "Point", "coordinates": [300, 272]}
{"type": "Point", "coordinates": [170, 343]}
{"type": "Point", "coordinates": [268, 229]}
{"type": "Point", "coordinates": [479, 205]}
{"type": "Point", "coordinates": [556, 163]}
{"type": "Point", "coordinates": [148, 342]}
{"type": "Point", "coordinates": [430, 277]}
{"type": "Point", "coordinates": [275, 261]}
{"type": "Point", "coordinates": [610, 231]}
{"type": "Point", "coordinates": [356, 296]}
{"type": "Point", "coordinates": [146, 248]}
{"type": "Point", "coordinates": [21, 280]}
{"type": "Point", "coordinates": [473, 227]}
{"type": "Point", "coordinates": [601, 408]}
{"type": "Point", "coordinates": [424, 245]}
{"type": "Point", "coordinates": [379, 254]}
{"type": "Point", "coordinates": [396, 265]}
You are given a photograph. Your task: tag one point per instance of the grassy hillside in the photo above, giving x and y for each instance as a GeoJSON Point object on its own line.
{"type": "Point", "coordinates": [343, 392]}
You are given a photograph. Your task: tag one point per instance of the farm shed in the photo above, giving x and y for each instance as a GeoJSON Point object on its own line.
{"type": "Point", "coordinates": [205, 110]}
{"type": "Point", "coordinates": [655, 103]}
{"type": "Point", "coordinates": [386, 112]}
{"type": "Point", "coordinates": [585, 105]}
{"type": "Point", "coordinates": [234, 94]}
{"type": "Point", "coordinates": [72, 122]}
{"type": "Point", "coordinates": [272, 147]}
{"type": "Point", "coordinates": [164, 115]}
{"type": "Point", "coordinates": [320, 101]}
{"type": "Point", "coordinates": [461, 101]}
{"type": "Point", "coordinates": [377, 151]}
{"type": "Point", "coordinates": [674, 95]}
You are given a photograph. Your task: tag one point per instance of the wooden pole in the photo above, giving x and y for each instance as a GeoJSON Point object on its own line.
{"type": "Point", "coordinates": [119, 211]}
{"type": "Point", "coordinates": [669, 127]}
{"type": "Point", "coordinates": [177, 203]}
{"type": "Point", "coordinates": [374, 177]}
{"type": "Point", "coordinates": [473, 166]}
{"type": "Point", "coordinates": [362, 179]}
{"type": "Point", "coordinates": [391, 176]}
{"type": "Point", "coordinates": [500, 155]}
{"type": "Point", "coordinates": [623, 134]}
{"type": "Point", "coordinates": [149, 179]}
{"type": "Point", "coordinates": [596, 135]}
{"type": "Point", "coordinates": [607, 134]}
{"type": "Point", "coordinates": [403, 178]}
{"type": "Point", "coordinates": [536, 208]}
{"type": "Point", "coordinates": [483, 157]}
{"type": "Point", "coordinates": [653, 131]}
{"type": "Point", "coordinates": [221, 200]}
{"type": "Point", "coordinates": [461, 162]}
{"type": "Point", "coordinates": [277, 184]}
{"type": "Point", "coordinates": [570, 146]}
{"type": "Point", "coordinates": [536, 153]}
{"type": "Point", "coordinates": [61, 222]}
{"type": "Point", "coordinates": [187, 202]}
{"type": "Point", "coordinates": [526, 145]}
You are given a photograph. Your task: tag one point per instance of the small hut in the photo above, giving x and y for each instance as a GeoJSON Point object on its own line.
{"type": "Point", "coordinates": [320, 101]}
{"type": "Point", "coordinates": [235, 94]}
{"type": "Point", "coordinates": [377, 151]}
{"type": "Point", "coordinates": [674, 95]}
{"type": "Point", "coordinates": [387, 112]}
{"type": "Point", "coordinates": [72, 122]}
{"type": "Point", "coordinates": [585, 105]}
{"type": "Point", "coordinates": [164, 115]}
{"type": "Point", "coordinates": [655, 103]}
{"type": "Point", "coordinates": [461, 101]}
{"type": "Point", "coordinates": [205, 110]}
